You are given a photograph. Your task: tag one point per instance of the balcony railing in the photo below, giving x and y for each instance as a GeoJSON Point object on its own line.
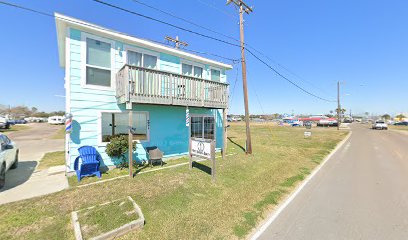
{"type": "Point", "coordinates": [150, 86]}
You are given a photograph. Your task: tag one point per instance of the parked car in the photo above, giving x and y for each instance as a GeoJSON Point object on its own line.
{"type": "Point", "coordinates": [8, 157]}
{"type": "Point", "coordinates": [401, 124]}
{"type": "Point", "coordinates": [348, 120]}
{"type": "Point", "coordinates": [380, 124]}
{"type": "Point", "coordinates": [4, 123]}
{"type": "Point", "coordinates": [297, 124]}
{"type": "Point", "coordinates": [327, 122]}
{"type": "Point", "coordinates": [11, 122]}
{"type": "Point", "coordinates": [56, 120]}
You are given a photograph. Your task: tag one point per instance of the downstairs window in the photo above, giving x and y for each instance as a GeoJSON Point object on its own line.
{"type": "Point", "coordinates": [203, 127]}
{"type": "Point", "coordinates": [118, 124]}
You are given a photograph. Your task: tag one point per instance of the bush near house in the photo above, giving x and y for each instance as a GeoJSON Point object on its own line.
{"type": "Point", "coordinates": [118, 147]}
{"type": "Point", "coordinates": [187, 204]}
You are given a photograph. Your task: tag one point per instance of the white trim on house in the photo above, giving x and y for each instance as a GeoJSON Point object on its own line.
{"type": "Point", "coordinates": [99, 125]}
{"type": "Point", "coordinates": [67, 86]}
{"type": "Point", "coordinates": [63, 21]}
{"type": "Point", "coordinates": [112, 69]}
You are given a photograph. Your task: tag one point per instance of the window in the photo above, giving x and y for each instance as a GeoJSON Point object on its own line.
{"type": "Point", "coordinates": [190, 70]}
{"type": "Point", "coordinates": [98, 63]}
{"type": "Point", "coordinates": [187, 69]}
{"type": "Point", "coordinates": [118, 124]}
{"type": "Point", "coordinates": [215, 75]}
{"type": "Point", "coordinates": [203, 127]}
{"type": "Point", "coordinates": [198, 72]}
{"type": "Point", "coordinates": [140, 59]}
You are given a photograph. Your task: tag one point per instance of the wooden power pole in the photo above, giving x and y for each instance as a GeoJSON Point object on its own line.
{"type": "Point", "coordinates": [338, 106]}
{"type": "Point", "coordinates": [244, 8]}
{"type": "Point", "coordinates": [177, 41]}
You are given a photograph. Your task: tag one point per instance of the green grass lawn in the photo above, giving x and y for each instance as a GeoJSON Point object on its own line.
{"type": "Point", "coordinates": [52, 159]}
{"type": "Point", "coordinates": [117, 172]}
{"type": "Point", "coordinates": [183, 203]}
{"type": "Point", "coordinates": [404, 128]}
{"type": "Point", "coordinates": [104, 218]}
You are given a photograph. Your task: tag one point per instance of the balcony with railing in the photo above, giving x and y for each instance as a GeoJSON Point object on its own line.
{"type": "Point", "coordinates": [143, 85]}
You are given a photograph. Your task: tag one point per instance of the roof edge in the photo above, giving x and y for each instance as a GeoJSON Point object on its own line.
{"type": "Point", "coordinates": [62, 22]}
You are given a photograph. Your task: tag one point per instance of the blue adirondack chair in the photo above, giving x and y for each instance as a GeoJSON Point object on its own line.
{"type": "Point", "coordinates": [90, 162]}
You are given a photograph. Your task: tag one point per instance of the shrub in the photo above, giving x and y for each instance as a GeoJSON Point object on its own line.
{"type": "Point", "coordinates": [118, 147]}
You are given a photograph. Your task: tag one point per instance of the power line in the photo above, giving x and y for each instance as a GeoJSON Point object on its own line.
{"type": "Point", "coordinates": [287, 79]}
{"type": "Point", "coordinates": [163, 22]}
{"type": "Point", "coordinates": [102, 28]}
{"type": "Point", "coordinates": [218, 9]}
{"type": "Point", "coordinates": [285, 68]}
{"type": "Point", "coordinates": [184, 20]}
{"type": "Point", "coordinates": [209, 37]}
{"type": "Point", "coordinates": [230, 37]}
{"type": "Point", "coordinates": [169, 24]}
{"type": "Point", "coordinates": [233, 88]}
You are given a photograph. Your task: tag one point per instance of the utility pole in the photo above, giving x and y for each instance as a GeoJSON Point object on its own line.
{"type": "Point", "coordinates": [177, 41]}
{"type": "Point", "coordinates": [243, 7]}
{"type": "Point", "coordinates": [338, 106]}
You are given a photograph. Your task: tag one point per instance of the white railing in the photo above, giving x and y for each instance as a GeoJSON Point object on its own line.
{"type": "Point", "coordinates": [143, 85]}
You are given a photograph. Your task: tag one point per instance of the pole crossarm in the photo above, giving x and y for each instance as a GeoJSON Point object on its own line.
{"type": "Point", "coordinates": [176, 41]}
{"type": "Point", "coordinates": [239, 3]}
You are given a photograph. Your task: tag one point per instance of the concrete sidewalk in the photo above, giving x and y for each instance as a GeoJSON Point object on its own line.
{"type": "Point", "coordinates": [25, 182]}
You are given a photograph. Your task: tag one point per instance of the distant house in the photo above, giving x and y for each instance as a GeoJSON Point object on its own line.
{"type": "Point", "coordinates": [109, 74]}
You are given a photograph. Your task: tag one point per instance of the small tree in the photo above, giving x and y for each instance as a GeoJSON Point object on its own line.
{"type": "Point", "coordinates": [386, 117]}
{"type": "Point", "coordinates": [118, 147]}
{"type": "Point", "coordinates": [400, 116]}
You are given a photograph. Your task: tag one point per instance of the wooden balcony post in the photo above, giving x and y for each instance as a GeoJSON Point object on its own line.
{"type": "Point", "coordinates": [128, 77]}
{"type": "Point", "coordinates": [202, 92]}
{"type": "Point", "coordinates": [171, 88]}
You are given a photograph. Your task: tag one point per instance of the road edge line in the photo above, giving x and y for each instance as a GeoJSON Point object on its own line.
{"type": "Point", "coordinates": [271, 218]}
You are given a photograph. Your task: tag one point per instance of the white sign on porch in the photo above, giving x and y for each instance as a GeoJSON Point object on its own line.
{"type": "Point", "coordinates": [201, 148]}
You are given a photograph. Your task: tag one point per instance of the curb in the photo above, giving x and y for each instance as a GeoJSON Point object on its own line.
{"type": "Point", "coordinates": [269, 220]}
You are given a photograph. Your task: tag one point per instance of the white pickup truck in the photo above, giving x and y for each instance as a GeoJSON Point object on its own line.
{"type": "Point", "coordinates": [380, 124]}
{"type": "Point", "coordinates": [4, 123]}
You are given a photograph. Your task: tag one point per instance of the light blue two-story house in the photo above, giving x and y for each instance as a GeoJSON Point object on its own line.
{"type": "Point", "coordinates": [108, 74]}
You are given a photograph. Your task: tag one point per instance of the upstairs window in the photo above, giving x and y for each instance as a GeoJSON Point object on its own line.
{"type": "Point", "coordinates": [141, 60]}
{"type": "Point", "coordinates": [215, 75]}
{"type": "Point", "coordinates": [192, 71]}
{"type": "Point", "coordinates": [98, 63]}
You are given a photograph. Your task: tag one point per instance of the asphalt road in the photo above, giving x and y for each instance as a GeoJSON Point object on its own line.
{"type": "Point", "coordinates": [360, 193]}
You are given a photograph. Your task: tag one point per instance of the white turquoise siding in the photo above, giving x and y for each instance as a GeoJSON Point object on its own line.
{"type": "Point", "coordinates": [167, 123]}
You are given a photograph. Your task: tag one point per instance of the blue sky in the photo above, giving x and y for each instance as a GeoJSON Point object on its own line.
{"type": "Point", "coordinates": [361, 43]}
